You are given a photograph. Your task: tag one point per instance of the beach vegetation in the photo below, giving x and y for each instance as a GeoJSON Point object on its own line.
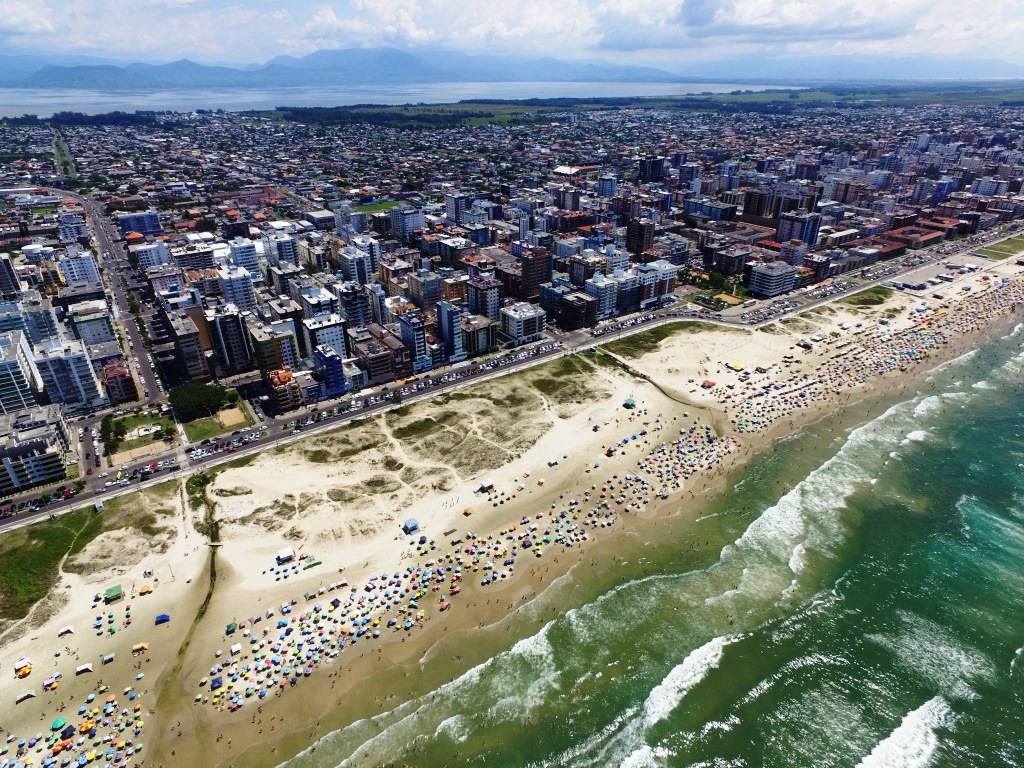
{"type": "Point", "coordinates": [640, 344]}
{"type": "Point", "coordinates": [30, 558]}
{"type": "Point", "coordinates": [871, 297]}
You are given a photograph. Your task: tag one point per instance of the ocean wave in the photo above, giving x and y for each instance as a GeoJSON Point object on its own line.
{"type": "Point", "coordinates": [914, 742]}
{"type": "Point", "coordinates": [937, 656]}
{"type": "Point", "coordinates": [917, 436]}
{"type": "Point", "coordinates": [669, 693]}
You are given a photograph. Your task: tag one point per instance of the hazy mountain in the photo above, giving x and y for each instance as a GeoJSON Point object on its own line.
{"type": "Point", "coordinates": [102, 77]}
{"type": "Point", "coordinates": [187, 74]}
{"type": "Point", "coordinates": [351, 66]}
{"type": "Point", "coordinates": [366, 66]}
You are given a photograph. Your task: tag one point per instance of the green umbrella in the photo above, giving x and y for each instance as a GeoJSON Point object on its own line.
{"type": "Point", "coordinates": [59, 723]}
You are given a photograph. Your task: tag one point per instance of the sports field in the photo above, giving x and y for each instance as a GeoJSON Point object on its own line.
{"type": "Point", "coordinates": [1004, 249]}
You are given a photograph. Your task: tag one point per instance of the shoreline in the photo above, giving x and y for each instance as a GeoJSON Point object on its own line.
{"type": "Point", "coordinates": [482, 620]}
{"type": "Point", "coordinates": [866, 402]}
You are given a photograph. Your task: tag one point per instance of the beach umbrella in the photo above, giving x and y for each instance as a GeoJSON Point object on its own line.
{"type": "Point", "coordinates": [58, 723]}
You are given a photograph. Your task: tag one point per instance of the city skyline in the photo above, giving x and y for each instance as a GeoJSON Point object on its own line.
{"type": "Point", "coordinates": [673, 35]}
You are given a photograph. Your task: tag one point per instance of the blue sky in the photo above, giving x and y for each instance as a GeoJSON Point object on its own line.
{"type": "Point", "coordinates": [654, 32]}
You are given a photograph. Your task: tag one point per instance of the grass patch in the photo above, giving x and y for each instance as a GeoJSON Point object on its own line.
{"type": "Point", "coordinates": [29, 558]}
{"type": "Point", "coordinates": [872, 297]}
{"type": "Point", "coordinates": [372, 207]}
{"type": "Point", "coordinates": [997, 255]}
{"type": "Point", "coordinates": [640, 344]}
{"type": "Point", "coordinates": [417, 429]}
{"type": "Point", "coordinates": [318, 456]}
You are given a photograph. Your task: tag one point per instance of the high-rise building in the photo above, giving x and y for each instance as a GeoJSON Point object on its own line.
{"type": "Point", "coordinates": [244, 255]}
{"type": "Point", "coordinates": [71, 227]}
{"type": "Point", "coordinates": [155, 254]}
{"type": "Point", "coordinates": [355, 304]}
{"type": "Point", "coordinates": [326, 330]}
{"type": "Point", "coordinates": [331, 366]}
{"type": "Point", "coordinates": [188, 346]}
{"type": "Point", "coordinates": [772, 279]}
{"type": "Point", "coordinates": [280, 248]}
{"type": "Point", "coordinates": [405, 219]}
{"type": "Point", "coordinates": [424, 288]}
{"type": "Point", "coordinates": [356, 265]}
{"type": "Point", "coordinates": [456, 205]}
{"type": "Point", "coordinates": [67, 375]}
{"type": "Point", "coordinates": [370, 246]}
{"type": "Point", "coordinates": [522, 323]}
{"type": "Point", "coordinates": [537, 269]}
{"type": "Point", "coordinates": [652, 169]}
{"type": "Point", "coordinates": [274, 348]}
{"type": "Point", "coordinates": [143, 222]}
{"type": "Point", "coordinates": [10, 284]}
{"type": "Point", "coordinates": [798, 225]}
{"type": "Point", "coordinates": [18, 377]}
{"type": "Point", "coordinates": [484, 295]}
{"type": "Point", "coordinates": [81, 268]}
{"type": "Point", "coordinates": [639, 235]}
{"type": "Point", "coordinates": [414, 336]}
{"type": "Point", "coordinates": [449, 327]}
{"type": "Point", "coordinates": [229, 338]}
{"type": "Point", "coordinates": [607, 185]}
{"type": "Point", "coordinates": [236, 287]}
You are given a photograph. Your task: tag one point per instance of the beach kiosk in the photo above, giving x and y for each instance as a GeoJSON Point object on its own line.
{"type": "Point", "coordinates": [286, 555]}
{"type": "Point", "coordinates": [410, 526]}
{"type": "Point", "coordinates": [109, 658]}
{"type": "Point", "coordinates": [113, 594]}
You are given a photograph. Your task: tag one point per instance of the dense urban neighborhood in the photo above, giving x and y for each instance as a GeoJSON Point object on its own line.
{"type": "Point", "coordinates": [181, 286]}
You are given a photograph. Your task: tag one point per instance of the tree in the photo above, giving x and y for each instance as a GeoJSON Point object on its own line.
{"type": "Point", "coordinates": [194, 400]}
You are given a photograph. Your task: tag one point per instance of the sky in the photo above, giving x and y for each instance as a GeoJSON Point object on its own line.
{"type": "Point", "coordinates": [663, 33]}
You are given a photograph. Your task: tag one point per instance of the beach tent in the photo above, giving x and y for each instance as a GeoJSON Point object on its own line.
{"type": "Point", "coordinates": [236, 649]}
{"type": "Point", "coordinates": [68, 732]}
{"type": "Point", "coordinates": [145, 589]}
{"type": "Point", "coordinates": [108, 658]}
{"type": "Point", "coordinates": [231, 628]}
{"type": "Point", "coordinates": [410, 526]}
{"type": "Point", "coordinates": [24, 697]}
{"type": "Point", "coordinates": [22, 663]}
{"type": "Point", "coordinates": [83, 669]}
{"type": "Point", "coordinates": [113, 594]}
{"type": "Point", "coordinates": [286, 555]}
{"type": "Point", "coordinates": [163, 618]}
{"type": "Point", "coordinates": [68, 630]}
{"type": "Point", "coordinates": [216, 683]}
{"type": "Point", "coordinates": [485, 485]}
{"type": "Point", "coordinates": [629, 404]}
{"type": "Point", "coordinates": [140, 648]}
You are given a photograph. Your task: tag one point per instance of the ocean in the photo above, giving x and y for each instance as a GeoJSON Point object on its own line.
{"type": "Point", "coordinates": [15, 102]}
{"type": "Point", "coordinates": [853, 599]}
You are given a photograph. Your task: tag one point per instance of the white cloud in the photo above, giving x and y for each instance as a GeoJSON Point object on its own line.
{"type": "Point", "coordinates": [26, 17]}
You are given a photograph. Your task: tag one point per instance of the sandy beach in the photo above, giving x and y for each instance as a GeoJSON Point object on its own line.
{"type": "Point", "coordinates": [510, 481]}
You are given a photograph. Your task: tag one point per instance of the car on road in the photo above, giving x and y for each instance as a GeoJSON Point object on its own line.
{"type": "Point", "coordinates": [104, 474]}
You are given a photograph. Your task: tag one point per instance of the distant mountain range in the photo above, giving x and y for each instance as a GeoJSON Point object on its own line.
{"type": "Point", "coordinates": [350, 66]}
{"type": "Point", "coordinates": [389, 66]}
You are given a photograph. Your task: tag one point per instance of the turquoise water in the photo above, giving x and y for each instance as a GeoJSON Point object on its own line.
{"type": "Point", "coordinates": [854, 599]}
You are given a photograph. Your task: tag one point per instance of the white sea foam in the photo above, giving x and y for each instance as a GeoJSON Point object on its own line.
{"type": "Point", "coordinates": [454, 728]}
{"type": "Point", "coordinates": [914, 742]}
{"type": "Point", "coordinates": [917, 436]}
{"type": "Point", "coordinates": [798, 560]}
{"type": "Point", "coordinates": [669, 693]}
{"type": "Point", "coordinates": [983, 385]}
{"type": "Point", "coordinates": [937, 656]}
{"type": "Point", "coordinates": [641, 758]}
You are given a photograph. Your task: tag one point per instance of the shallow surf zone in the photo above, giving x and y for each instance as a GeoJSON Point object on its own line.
{"type": "Point", "coordinates": [854, 614]}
